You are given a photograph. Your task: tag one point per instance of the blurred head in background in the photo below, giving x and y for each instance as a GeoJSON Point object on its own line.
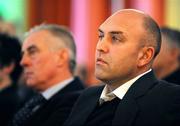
{"type": "Point", "coordinates": [10, 55]}
{"type": "Point", "coordinates": [167, 62]}
{"type": "Point", "coordinates": [49, 56]}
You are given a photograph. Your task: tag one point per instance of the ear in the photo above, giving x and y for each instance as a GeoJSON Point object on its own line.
{"type": "Point", "coordinates": [145, 56]}
{"type": "Point", "coordinates": [8, 69]}
{"type": "Point", "coordinates": [63, 56]}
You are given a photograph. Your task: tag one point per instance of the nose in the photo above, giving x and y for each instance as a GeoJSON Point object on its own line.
{"type": "Point", "coordinates": [102, 46]}
{"type": "Point", "coordinates": [24, 60]}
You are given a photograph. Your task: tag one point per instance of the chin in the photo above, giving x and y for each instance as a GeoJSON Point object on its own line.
{"type": "Point", "coordinates": [30, 83]}
{"type": "Point", "coordinates": [100, 77]}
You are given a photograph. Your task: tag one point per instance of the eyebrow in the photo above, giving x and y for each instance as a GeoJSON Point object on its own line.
{"type": "Point", "coordinates": [112, 32]}
{"type": "Point", "coordinates": [100, 30]}
{"type": "Point", "coordinates": [29, 48]}
{"type": "Point", "coordinates": [117, 32]}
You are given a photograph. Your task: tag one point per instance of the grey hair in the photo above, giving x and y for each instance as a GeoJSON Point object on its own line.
{"type": "Point", "coordinates": [65, 35]}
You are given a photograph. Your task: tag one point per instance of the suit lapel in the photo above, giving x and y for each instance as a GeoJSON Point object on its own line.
{"type": "Point", "coordinates": [41, 113]}
{"type": "Point", "coordinates": [128, 108]}
{"type": "Point", "coordinates": [75, 85]}
{"type": "Point", "coordinates": [126, 112]}
{"type": "Point", "coordinates": [85, 108]}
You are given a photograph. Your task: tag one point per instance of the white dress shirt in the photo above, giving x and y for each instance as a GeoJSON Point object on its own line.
{"type": "Point", "coordinates": [119, 92]}
{"type": "Point", "coordinates": [47, 94]}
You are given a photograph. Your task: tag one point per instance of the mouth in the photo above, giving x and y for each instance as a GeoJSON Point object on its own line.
{"type": "Point", "coordinates": [28, 74]}
{"type": "Point", "coordinates": [100, 61]}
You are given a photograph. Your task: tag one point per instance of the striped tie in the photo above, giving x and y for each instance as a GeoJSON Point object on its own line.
{"type": "Point", "coordinates": [22, 116]}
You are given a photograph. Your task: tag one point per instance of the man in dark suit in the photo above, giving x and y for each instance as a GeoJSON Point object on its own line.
{"type": "Point", "coordinates": [49, 60]}
{"type": "Point", "coordinates": [167, 63]}
{"type": "Point", "coordinates": [129, 40]}
{"type": "Point", "coordinates": [10, 70]}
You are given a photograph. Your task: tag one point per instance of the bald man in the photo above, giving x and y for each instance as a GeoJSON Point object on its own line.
{"type": "Point", "coordinates": [129, 40]}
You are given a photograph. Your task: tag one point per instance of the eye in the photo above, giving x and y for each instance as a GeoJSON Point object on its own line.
{"type": "Point", "coordinates": [115, 38]}
{"type": "Point", "coordinates": [101, 35]}
{"type": "Point", "coordinates": [32, 52]}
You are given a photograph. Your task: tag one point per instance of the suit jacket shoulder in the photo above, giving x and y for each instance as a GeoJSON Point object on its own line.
{"type": "Point", "coordinates": [9, 103]}
{"type": "Point", "coordinates": [174, 77]}
{"type": "Point", "coordinates": [84, 106]}
{"type": "Point", "coordinates": [56, 109]}
{"type": "Point", "coordinates": [148, 102]}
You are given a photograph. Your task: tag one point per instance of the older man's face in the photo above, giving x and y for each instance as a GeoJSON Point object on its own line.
{"type": "Point", "coordinates": [38, 61]}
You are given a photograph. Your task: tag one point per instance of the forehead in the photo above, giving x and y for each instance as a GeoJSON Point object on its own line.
{"type": "Point", "coordinates": [37, 39]}
{"type": "Point", "coordinates": [126, 22]}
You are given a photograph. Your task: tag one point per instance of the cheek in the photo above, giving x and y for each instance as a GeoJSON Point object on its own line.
{"type": "Point", "coordinates": [43, 65]}
{"type": "Point", "coordinates": [124, 59]}
{"type": "Point", "coordinates": [39, 64]}
{"type": "Point", "coordinates": [45, 71]}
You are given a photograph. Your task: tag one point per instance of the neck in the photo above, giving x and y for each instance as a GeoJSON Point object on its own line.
{"type": "Point", "coordinates": [112, 85]}
{"type": "Point", "coordinates": [58, 78]}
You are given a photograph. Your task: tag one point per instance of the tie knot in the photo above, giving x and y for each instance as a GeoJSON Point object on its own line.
{"type": "Point", "coordinates": [108, 97]}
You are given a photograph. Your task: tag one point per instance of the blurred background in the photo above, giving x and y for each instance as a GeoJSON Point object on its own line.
{"type": "Point", "coordinates": [83, 17]}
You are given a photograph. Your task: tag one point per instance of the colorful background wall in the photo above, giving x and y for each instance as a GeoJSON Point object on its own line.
{"type": "Point", "coordinates": [83, 18]}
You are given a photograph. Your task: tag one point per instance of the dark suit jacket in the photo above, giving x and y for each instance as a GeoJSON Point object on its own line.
{"type": "Point", "coordinates": [174, 77]}
{"type": "Point", "coordinates": [57, 108]}
{"type": "Point", "coordinates": [148, 102]}
{"type": "Point", "coordinates": [9, 103]}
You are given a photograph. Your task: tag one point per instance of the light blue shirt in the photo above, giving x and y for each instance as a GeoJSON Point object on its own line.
{"type": "Point", "coordinates": [47, 94]}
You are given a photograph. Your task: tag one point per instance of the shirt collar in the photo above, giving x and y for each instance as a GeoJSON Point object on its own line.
{"type": "Point", "coordinates": [121, 90]}
{"type": "Point", "coordinates": [47, 94]}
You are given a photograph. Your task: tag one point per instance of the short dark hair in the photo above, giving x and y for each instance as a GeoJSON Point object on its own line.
{"type": "Point", "coordinates": [153, 33]}
{"type": "Point", "coordinates": [10, 51]}
{"type": "Point", "coordinates": [172, 34]}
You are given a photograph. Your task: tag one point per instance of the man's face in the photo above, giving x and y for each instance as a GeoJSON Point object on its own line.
{"type": "Point", "coordinates": [166, 58]}
{"type": "Point", "coordinates": [118, 48]}
{"type": "Point", "coordinates": [38, 60]}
